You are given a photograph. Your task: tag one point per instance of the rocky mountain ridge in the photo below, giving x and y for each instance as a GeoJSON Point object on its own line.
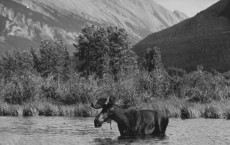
{"type": "Point", "coordinates": [25, 23]}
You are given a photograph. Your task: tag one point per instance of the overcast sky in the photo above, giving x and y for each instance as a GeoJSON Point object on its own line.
{"type": "Point", "coordinates": [189, 7]}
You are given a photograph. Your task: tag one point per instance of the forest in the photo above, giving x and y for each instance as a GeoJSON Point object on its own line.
{"type": "Point", "coordinates": [50, 81]}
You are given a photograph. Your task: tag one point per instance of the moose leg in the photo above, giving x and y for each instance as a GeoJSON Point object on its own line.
{"type": "Point", "coordinates": [124, 131]}
{"type": "Point", "coordinates": [163, 123]}
{"type": "Point", "coordinates": [166, 121]}
{"type": "Point", "coordinates": [149, 129]}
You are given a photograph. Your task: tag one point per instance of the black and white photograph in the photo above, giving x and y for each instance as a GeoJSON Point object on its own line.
{"type": "Point", "coordinates": [114, 72]}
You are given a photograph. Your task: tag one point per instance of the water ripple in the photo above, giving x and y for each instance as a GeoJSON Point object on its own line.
{"type": "Point", "coordinates": [81, 131]}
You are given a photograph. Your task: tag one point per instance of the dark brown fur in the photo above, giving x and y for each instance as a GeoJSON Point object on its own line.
{"type": "Point", "coordinates": [133, 122]}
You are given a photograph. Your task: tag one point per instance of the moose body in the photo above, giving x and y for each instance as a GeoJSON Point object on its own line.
{"type": "Point", "coordinates": [132, 122]}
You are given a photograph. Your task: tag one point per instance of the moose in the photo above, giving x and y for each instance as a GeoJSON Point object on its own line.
{"type": "Point", "coordinates": [131, 122]}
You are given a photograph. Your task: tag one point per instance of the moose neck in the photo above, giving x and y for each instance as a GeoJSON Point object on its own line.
{"type": "Point", "coordinates": [119, 116]}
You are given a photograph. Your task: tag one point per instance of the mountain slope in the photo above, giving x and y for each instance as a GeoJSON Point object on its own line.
{"type": "Point", "coordinates": [203, 39]}
{"type": "Point", "coordinates": [180, 15]}
{"type": "Point", "coordinates": [25, 23]}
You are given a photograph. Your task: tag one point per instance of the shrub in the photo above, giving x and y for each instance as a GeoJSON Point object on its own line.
{"type": "Point", "coordinates": [48, 90]}
{"type": "Point", "coordinates": [152, 59]}
{"type": "Point", "coordinates": [160, 83]}
{"type": "Point", "coordinates": [158, 80]}
{"type": "Point", "coordinates": [19, 89]}
{"type": "Point", "coordinates": [15, 62]}
{"type": "Point", "coordinates": [176, 77]}
{"type": "Point", "coordinates": [202, 86]}
{"type": "Point", "coordinates": [143, 83]}
{"type": "Point", "coordinates": [78, 90]}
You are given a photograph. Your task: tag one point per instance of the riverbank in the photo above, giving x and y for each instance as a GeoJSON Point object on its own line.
{"type": "Point", "coordinates": [46, 109]}
{"type": "Point", "coordinates": [188, 110]}
{"type": "Point", "coordinates": [174, 107]}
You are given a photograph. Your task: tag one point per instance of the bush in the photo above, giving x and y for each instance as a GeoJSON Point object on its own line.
{"type": "Point", "coordinates": [48, 90]}
{"type": "Point", "coordinates": [20, 89]}
{"type": "Point", "coordinates": [15, 62]}
{"type": "Point", "coordinates": [158, 81]}
{"type": "Point", "coordinates": [176, 77]}
{"type": "Point", "coordinates": [78, 90]}
{"type": "Point", "coordinates": [202, 86]}
{"type": "Point", "coordinates": [143, 83]}
{"type": "Point", "coordinates": [152, 59]}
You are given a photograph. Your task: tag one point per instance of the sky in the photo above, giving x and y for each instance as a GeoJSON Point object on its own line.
{"type": "Point", "coordinates": [189, 7]}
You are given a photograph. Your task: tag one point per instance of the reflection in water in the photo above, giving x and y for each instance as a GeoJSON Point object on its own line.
{"type": "Point", "coordinates": [81, 131]}
{"type": "Point", "coordinates": [129, 140]}
{"type": "Point", "coordinates": [105, 141]}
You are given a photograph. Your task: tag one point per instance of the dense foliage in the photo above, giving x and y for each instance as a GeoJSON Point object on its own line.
{"type": "Point", "coordinates": [152, 59]}
{"type": "Point", "coordinates": [107, 66]}
{"type": "Point", "coordinates": [105, 50]}
{"type": "Point", "coordinates": [52, 59]}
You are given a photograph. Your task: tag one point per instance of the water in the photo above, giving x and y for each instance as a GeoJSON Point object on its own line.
{"type": "Point", "coordinates": [80, 131]}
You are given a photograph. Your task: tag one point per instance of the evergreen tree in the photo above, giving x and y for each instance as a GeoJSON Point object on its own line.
{"type": "Point", "coordinates": [158, 75]}
{"type": "Point", "coordinates": [104, 50]}
{"type": "Point", "coordinates": [152, 59]}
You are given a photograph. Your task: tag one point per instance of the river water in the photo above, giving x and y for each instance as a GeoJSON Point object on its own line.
{"type": "Point", "coordinates": [81, 131]}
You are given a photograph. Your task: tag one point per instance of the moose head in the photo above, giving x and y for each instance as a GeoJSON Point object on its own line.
{"type": "Point", "coordinates": [107, 110]}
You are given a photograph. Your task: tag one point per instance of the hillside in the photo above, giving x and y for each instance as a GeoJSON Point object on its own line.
{"type": "Point", "coordinates": [203, 39]}
{"type": "Point", "coordinates": [25, 23]}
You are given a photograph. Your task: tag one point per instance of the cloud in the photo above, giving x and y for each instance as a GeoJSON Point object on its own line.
{"type": "Point", "coordinates": [47, 32]}
{"type": "Point", "coordinates": [20, 26]}
{"type": "Point", "coordinates": [21, 32]}
{"type": "Point", "coordinates": [68, 37]}
{"type": "Point", "coordinates": [2, 39]}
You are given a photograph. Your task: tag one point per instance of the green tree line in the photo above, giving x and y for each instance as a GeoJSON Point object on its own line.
{"type": "Point", "coordinates": [103, 63]}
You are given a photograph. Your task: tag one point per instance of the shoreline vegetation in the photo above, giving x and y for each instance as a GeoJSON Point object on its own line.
{"type": "Point", "coordinates": [175, 109]}
{"type": "Point", "coordinates": [49, 81]}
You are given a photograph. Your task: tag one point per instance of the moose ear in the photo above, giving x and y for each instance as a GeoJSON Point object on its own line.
{"type": "Point", "coordinates": [110, 100]}
{"type": "Point", "coordinates": [100, 103]}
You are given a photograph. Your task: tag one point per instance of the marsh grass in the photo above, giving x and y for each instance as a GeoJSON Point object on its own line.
{"type": "Point", "coordinates": [175, 107]}
{"type": "Point", "coordinates": [10, 110]}
{"type": "Point", "coordinates": [46, 109]}
{"type": "Point", "coordinates": [172, 107]}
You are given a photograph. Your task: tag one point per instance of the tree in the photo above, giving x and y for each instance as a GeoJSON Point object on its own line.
{"type": "Point", "coordinates": [104, 50]}
{"type": "Point", "coordinates": [15, 62]}
{"type": "Point", "coordinates": [152, 59]}
{"type": "Point", "coordinates": [53, 59]}
{"type": "Point", "coordinates": [158, 75]}
{"type": "Point", "coordinates": [176, 76]}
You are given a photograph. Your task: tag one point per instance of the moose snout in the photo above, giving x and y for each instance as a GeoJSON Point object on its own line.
{"type": "Point", "coordinates": [97, 124]}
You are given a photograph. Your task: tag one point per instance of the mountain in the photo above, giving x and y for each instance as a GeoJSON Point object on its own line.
{"type": "Point", "coordinates": [24, 23]}
{"type": "Point", "coordinates": [180, 15]}
{"type": "Point", "coordinates": [201, 40]}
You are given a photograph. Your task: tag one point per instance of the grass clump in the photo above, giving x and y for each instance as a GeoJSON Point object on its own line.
{"type": "Point", "coordinates": [10, 110]}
